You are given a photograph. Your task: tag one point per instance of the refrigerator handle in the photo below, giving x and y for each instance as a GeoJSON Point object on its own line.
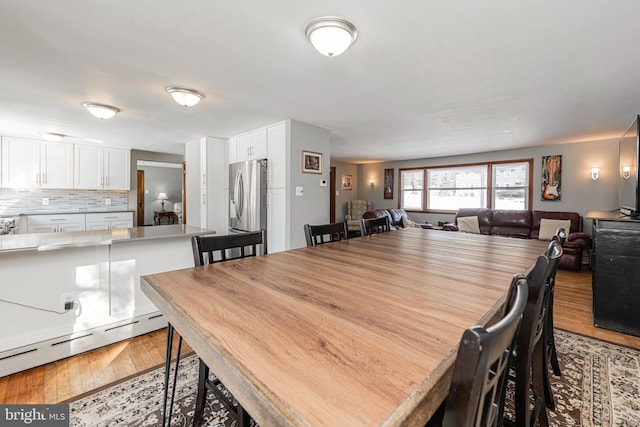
{"type": "Point", "coordinates": [239, 194]}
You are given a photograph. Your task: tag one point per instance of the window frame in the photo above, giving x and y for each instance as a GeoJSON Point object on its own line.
{"type": "Point", "coordinates": [489, 188]}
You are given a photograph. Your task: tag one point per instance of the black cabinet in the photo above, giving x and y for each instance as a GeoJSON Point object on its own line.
{"type": "Point", "coordinates": [616, 275]}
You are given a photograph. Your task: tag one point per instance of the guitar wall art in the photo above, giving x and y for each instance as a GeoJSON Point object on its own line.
{"type": "Point", "coordinates": [551, 177]}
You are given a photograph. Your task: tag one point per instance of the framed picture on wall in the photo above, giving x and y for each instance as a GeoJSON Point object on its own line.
{"type": "Point", "coordinates": [388, 183]}
{"type": "Point", "coordinates": [311, 162]}
{"type": "Point", "coordinates": [346, 182]}
{"type": "Point", "coordinates": [551, 178]}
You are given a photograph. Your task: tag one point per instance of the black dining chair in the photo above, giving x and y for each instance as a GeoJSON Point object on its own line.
{"type": "Point", "coordinates": [530, 366]}
{"type": "Point", "coordinates": [212, 249]}
{"type": "Point", "coordinates": [325, 233]}
{"type": "Point", "coordinates": [478, 385]}
{"type": "Point", "coordinates": [550, 342]}
{"type": "Point", "coordinates": [374, 225]}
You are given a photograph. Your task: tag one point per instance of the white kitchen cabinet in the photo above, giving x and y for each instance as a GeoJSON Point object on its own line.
{"type": "Point", "coordinates": [107, 221]}
{"type": "Point", "coordinates": [252, 145]}
{"type": "Point", "coordinates": [55, 223]}
{"type": "Point", "coordinates": [98, 168]}
{"type": "Point", "coordinates": [30, 163]}
{"type": "Point", "coordinates": [277, 155]}
{"type": "Point", "coordinates": [276, 220]}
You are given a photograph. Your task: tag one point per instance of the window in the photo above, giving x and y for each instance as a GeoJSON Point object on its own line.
{"type": "Point", "coordinates": [511, 186]}
{"type": "Point", "coordinates": [498, 185]}
{"type": "Point", "coordinates": [412, 189]}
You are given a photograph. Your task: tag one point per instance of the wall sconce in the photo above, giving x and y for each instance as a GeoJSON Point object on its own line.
{"type": "Point", "coordinates": [626, 172]}
{"type": "Point", "coordinates": [163, 198]}
{"type": "Point", "coordinates": [371, 182]}
{"type": "Point", "coordinates": [595, 173]}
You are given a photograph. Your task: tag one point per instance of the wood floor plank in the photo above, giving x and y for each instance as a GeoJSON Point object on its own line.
{"type": "Point", "coordinates": [61, 380]}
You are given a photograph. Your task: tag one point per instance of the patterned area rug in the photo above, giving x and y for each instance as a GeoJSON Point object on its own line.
{"type": "Point", "coordinates": [599, 386]}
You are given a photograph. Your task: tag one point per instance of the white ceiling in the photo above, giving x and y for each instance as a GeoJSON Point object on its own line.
{"type": "Point", "coordinates": [424, 78]}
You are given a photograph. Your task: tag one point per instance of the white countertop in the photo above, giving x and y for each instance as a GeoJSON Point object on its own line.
{"type": "Point", "coordinates": [75, 239]}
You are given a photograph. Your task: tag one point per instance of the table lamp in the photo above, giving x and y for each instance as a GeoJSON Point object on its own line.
{"type": "Point", "coordinates": [163, 198]}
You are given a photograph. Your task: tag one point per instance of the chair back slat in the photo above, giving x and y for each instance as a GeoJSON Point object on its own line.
{"type": "Point", "coordinates": [220, 248]}
{"type": "Point", "coordinates": [374, 225]}
{"type": "Point", "coordinates": [325, 233]}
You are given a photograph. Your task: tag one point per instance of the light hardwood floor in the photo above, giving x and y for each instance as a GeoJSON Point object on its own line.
{"type": "Point", "coordinates": [64, 379]}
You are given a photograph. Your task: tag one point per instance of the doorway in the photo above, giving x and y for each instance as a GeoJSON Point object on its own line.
{"type": "Point", "coordinates": [332, 195]}
{"type": "Point", "coordinates": [140, 199]}
{"type": "Point", "coordinates": [155, 178]}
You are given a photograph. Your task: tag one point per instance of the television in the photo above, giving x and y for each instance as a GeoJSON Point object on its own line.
{"type": "Point", "coordinates": [628, 190]}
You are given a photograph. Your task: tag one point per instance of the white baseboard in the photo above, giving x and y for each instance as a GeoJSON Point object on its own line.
{"type": "Point", "coordinates": [30, 356]}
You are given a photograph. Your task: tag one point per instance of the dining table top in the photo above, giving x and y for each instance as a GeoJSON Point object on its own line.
{"type": "Point", "coordinates": [360, 332]}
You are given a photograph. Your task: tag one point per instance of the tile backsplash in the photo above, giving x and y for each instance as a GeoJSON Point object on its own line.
{"type": "Point", "coordinates": [29, 201]}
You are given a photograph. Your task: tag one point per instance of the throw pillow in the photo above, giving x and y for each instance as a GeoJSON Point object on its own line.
{"type": "Point", "coordinates": [468, 224]}
{"type": "Point", "coordinates": [548, 227]}
{"type": "Point", "coordinates": [8, 225]}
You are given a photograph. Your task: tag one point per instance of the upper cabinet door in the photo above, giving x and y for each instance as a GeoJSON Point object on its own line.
{"type": "Point", "coordinates": [98, 168]}
{"type": "Point", "coordinates": [252, 145]}
{"type": "Point", "coordinates": [20, 163]}
{"type": "Point", "coordinates": [87, 167]}
{"type": "Point", "coordinates": [116, 169]}
{"type": "Point", "coordinates": [56, 165]}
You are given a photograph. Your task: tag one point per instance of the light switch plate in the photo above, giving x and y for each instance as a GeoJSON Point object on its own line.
{"type": "Point", "coordinates": [107, 201]}
{"type": "Point", "coordinates": [323, 183]}
{"type": "Point", "coordinates": [299, 191]}
{"type": "Point", "coordinates": [45, 201]}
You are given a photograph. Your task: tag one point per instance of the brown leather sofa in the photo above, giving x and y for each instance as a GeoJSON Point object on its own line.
{"type": "Point", "coordinates": [526, 225]}
{"type": "Point", "coordinates": [395, 217]}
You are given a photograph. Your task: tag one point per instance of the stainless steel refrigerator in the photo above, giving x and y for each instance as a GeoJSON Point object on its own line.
{"type": "Point", "coordinates": [248, 196]}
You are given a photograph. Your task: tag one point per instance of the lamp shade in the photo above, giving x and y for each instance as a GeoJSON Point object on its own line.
{"type": "Point", "coordinates": [52, 136]}
{"type": "Point", "coordinates": [185, 96]}
{"type": "Point", "coordinates": [101, 111]}
{"type": "Point", "coordinates": [330, 35]}
{"type": "Point", "coordinates": [162, 196]}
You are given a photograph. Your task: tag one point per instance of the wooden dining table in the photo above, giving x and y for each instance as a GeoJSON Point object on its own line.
{"type": "Point", "coordinates": [362, 332]}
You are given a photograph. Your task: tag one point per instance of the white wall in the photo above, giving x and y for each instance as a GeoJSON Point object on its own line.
{"type": "Point", "coordinates": [579, 192]}
{"type": "Point", "coordinates": [313, 206]}
{"type": "Point", "coordinates": [192, 181]}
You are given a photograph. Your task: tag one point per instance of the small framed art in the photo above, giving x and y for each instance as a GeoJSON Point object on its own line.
{"type": "Point", "coordinates": [346, 182]}
{"type": "Point", "coordinates": [311, 162]}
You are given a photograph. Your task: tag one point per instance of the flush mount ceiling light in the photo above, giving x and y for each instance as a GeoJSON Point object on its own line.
{"type": "Point", "coordinates": [101, 111]}
{"type": "Point", "coordinates": [331, 35]}
{"type": "Point", "coordinates": [185, 96]}
{"type": "Point", "coordinates": [51, 136]}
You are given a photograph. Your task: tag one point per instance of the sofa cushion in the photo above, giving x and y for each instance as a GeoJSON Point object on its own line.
{"type": "Point", "coordinates": [548, 227]}
{"type": "Point", "coordinates": [469, 224]}
{"type": "Point", "coordinates": [396, 217]}
{"type": "Point", "coordinates": [511, 223]}
{"type": "Point", "coordinates": [536, 217]}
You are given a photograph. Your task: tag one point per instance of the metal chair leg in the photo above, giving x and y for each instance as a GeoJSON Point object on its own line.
{"type": "Point", "coordinates": [167, 369]}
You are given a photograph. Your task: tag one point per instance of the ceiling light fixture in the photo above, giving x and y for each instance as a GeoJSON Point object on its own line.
{"type": "Point", "coordinates": [51, 136]}
{"type": "Point", "coordinates": [185, 96]}
{"type": "Point", "coordinates": [330, 35]}
{"type": "Point", "coordinates": [101, 111]}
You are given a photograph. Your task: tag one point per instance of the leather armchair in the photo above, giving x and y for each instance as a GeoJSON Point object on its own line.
{"type": "Point", "coordinates": [355, 210]}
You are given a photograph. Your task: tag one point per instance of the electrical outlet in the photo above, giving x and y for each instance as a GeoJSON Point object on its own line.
{"type": "Point", "coordinates": [107, 201]}
{"type": "Point", "coordinates": [45, 201]}
{"type": "Point", "coordinates": [68, 300]}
